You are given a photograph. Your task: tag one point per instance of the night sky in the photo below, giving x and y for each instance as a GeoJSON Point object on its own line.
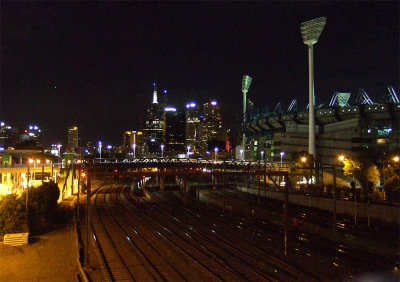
{"type": "Point", "coordinates": [92, 64]}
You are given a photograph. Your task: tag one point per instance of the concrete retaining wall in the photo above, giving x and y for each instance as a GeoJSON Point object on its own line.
{"type": "Point", "coordinates": [390, 214]}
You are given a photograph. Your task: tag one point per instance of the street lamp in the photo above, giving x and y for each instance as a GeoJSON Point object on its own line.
{"type": "Point", "coordinates": [241, 154]}
{"type": "Point", "coordinates": [282, 153]}
{"type": "Point", "coordinates": [215, 153]}
{"type": "Point", "coordinates": [100, 149]}
{"type": "Point", "coordinates": [134, 150]}
{"type": "Point", "coordinates": [262, 155]}
{"type": "Point", "coordinates": [310, 31]}
{"type": "Point", "coordinates": [30, 161]}
{"type": "Point", "coordinates": [59, 152]}
{"type": "Point", "coordinates": [162, 150]}
{"type": "Point", "coordinates": [188, 151]}
{"type": "Point", "coordinates": [246, 81]}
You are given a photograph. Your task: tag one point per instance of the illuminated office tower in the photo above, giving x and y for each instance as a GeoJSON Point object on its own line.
{"type": "Point", "coordinates": [212, 133]}
{"type": "Point", "coordinates": [133, 143]}
{"type": "Point", "coordinates": [126, 142]}
{"type": "Point", "coordinates": [154, 127]}
{"type": "Point", "coordinates": [8, 136]}
{"type": "Point", "coordinates": [192, 131]}
{"type": "Point", "coordinates": [174, 132]}
{"type": "Point", "coordinates": [72, 138]}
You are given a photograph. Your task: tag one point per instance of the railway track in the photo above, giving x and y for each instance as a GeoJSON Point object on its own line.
{"type": "Point", "coordinates": [163, 240]}
{"type": "Point", "coordinates": [247, 265]}
{"type": "Point", "coordinates": [352, 258]}
{"type": "Point", "coordinates": [113, 266]}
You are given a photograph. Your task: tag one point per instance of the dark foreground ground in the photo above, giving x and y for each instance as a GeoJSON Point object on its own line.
{"type": "Point", "coordinates": [48, 257]}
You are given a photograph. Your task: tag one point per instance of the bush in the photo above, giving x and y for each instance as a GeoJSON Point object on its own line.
{"type": "Point", "coordinates": [392, 189]}
{"type": "Point", "coordinates": [12, 214]}
{"type": "Point", "coordinates": [42, 209]}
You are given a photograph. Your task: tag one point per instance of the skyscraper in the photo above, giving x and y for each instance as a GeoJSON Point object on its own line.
{"type": "Point", "coordinates": [174, 132]}
{"type": "Point", "coordinates": [192, 132]}
{"type": "Point", "coordinates": [126, 142]}
{"type": "Point", "coordinates": [211, 126]}
{"type": "Point", "coordinates": [133, 143]}
{"type": "Point", "coordinates": [72, 138]}
{"type": "Point", "coordinates": [154, 128]}
{"type": "Point", "coordinates": [8, 136]}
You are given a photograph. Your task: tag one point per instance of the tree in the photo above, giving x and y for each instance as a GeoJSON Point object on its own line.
{"type": "Point", "coordinates": [392, 188]}
{"type": "Point", "coordinates": [362, 169]}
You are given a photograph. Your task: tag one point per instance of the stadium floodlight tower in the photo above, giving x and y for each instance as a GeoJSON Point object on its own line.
{"type": "Point", "coordinates": [246, 81]}
{"type": "Point", "coordinates": [310, 31]}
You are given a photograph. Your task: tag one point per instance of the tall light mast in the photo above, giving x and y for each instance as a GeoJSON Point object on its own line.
{"type": "Point", "coordinates": [246, 81]}
{"type": "Point", "coordinates": [310, 31]}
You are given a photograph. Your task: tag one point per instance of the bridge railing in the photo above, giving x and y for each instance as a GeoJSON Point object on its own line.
{"type": "Point", "coordinates": [182, 161]}
{"type": "Point", "coordinates": [40, 165]}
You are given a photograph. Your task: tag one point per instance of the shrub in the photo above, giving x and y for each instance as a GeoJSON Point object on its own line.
{"type": "Point", "coordinates": [12, 214]}
{"type": "Point", "coordinates": [392, 189]}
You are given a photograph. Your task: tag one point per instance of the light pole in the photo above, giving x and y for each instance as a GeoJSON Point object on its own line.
{"type": "Point", "coordinates": [241, 154]}
{"type": "Point", "coordinates": [282, 153]}
{"type": "Point", "coordinates": [59, 152]}
{"type": "Point", "coordinates": [310, 31]}
{"type": "Point", "coordinates": [27, 186]}
{"type": "Point", "coordinates": [134, 150]}
{"type": "Point", "coordinates": [162, 150]}
{"type": "Point", "coordinates": [100, 149]}
{"type": "Point", "coordinates": [188, 151]}
{"type": "Point", "coordinates": [246, 81]}
{"type": "Point", "coordinates": [215, 154]}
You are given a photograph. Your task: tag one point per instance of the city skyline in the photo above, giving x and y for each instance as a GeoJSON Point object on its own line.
{"type": "Point", "coordinates": [93, 64]}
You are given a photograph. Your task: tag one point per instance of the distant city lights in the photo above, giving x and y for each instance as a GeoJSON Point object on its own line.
{"type": "Point", "coordinates": [170, 109]}
{"type": "Point", "coordinates": [191, 105]}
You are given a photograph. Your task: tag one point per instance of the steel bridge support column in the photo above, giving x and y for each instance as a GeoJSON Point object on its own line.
{"type": "Point", "coordinates": [286, 211]}
{"type": "Point", "coordinates": [334, 203]}
{"type": "Point", "coordinates": [88, 227]}
{"type": "Point", "coordinates": [265, 180]}
{"type": "Point", "coordinates": [162, 181]}
{"type": "Point", "coordinates": [184, 189]}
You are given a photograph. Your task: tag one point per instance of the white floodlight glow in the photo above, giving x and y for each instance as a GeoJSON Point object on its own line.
{"type": "Point", "coordinates": [192, 105]}
{"type": "Point", "coordinates": [310, 31]}
{"type": "Point", "coordinates": [214, 103]}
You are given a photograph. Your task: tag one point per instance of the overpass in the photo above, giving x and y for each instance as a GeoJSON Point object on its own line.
{"type": "Point", "coordinates": [184, 168]}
